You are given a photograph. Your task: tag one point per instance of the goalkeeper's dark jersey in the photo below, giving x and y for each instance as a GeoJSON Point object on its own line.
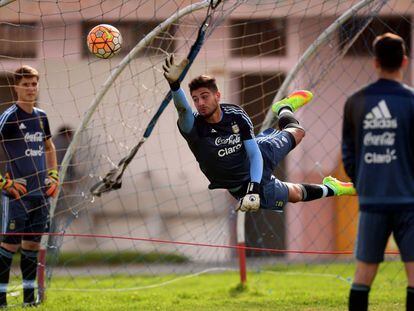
{"type": "Point", "coordinates": [218, 147]}
{"type": "Point", "coordinates": [23, 136]}
{"type": "Point", "coordinates": [378, 145]}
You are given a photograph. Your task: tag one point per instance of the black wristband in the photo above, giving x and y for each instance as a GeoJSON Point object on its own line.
{"type": "Point", "coordinates": [253, 187]}
{"type": "Point", "coordinates": [175, 86]}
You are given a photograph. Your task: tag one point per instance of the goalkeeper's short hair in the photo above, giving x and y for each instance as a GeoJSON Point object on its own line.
{"type": "Point", "coordinates": [25, 71]}
{"type": "Point", "coordinates": [206, 81]}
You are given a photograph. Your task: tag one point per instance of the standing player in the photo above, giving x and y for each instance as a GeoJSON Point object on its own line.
{"type": "Point", "coordinates": [230, 156]}
{"type": "Point", "coordinates": [378, 131]}
{"type": "Point", "coordinates": [31, 178]}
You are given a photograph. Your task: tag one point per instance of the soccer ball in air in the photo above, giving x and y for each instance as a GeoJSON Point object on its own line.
{"type": "Point", "coordinates": [104, 41]}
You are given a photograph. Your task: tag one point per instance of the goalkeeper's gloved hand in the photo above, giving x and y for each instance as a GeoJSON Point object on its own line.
{"type": "Point", "coordinates": [173, 71]}
{"type": "Point", "coordinates": [251, 201]}
{"type": "Point", "coordinates": [52, 183]}
{"type": "Point", "coordinates": [13, 187]}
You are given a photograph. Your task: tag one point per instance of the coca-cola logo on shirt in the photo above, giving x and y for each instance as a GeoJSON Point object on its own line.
{"type": "Point", "coordinates": [231, 140]}
{"type": "Point", "coordinates": [36, 137]}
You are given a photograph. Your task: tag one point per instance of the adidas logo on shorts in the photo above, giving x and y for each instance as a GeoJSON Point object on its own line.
{"type": "Point", "coordinates": [379, 118]}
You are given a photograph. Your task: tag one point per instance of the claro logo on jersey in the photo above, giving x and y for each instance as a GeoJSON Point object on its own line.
{"type": "Point", "coordinates": [34, 152]}
{"type": "Point", "coordinates": [233, 143]}
{"type": "Point", "coordinates": [379, 118]}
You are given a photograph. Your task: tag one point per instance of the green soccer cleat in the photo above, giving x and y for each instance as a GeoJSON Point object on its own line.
{"type": "Point", "coordinates": [294, 101]}
{"type": "Point", "coordinates": [339, 187]}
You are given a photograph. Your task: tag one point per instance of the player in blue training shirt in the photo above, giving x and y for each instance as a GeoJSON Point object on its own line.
{"type": "Point", "coordinates": [230, 156]}
{"type": "Point", "coordinates": [378, 155]}
{"type": "Point", "coordinates": [31, 178]}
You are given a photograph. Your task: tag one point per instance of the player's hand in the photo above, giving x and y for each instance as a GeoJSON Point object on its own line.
{"type": "Point", "coordinates": [173, 71]}
{"type": "Point", "coordinates": [52, 183]}
{"type": "Point", "coordinates": [13, 187]}
{"type": "Point", "coordinates": [251, 201]}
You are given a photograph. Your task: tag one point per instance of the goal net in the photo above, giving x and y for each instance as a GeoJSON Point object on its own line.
{"type": "Point", "coordinates": [164, 221]}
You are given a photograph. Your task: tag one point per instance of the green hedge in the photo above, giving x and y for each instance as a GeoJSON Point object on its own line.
{"type": "Point", "coordinates": [116, 258]}
{"type": "Point", "coordinates": [111, 258]}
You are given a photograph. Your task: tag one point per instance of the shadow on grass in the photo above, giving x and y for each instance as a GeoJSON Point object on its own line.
{"type": "Point", "coordinates": [238, 290]}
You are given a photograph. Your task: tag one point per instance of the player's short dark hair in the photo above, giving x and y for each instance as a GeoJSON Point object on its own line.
{"type": "Point", "coordinates": [203, 81]}
{"type": "Point", "coordinates": [25, 71]}
{"type": "Point", "coordinates": [389, 49]}
{"type": "Point", "coordinates": [63, 129]}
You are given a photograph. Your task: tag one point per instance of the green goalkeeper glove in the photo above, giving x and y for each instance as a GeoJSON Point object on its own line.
{"type": "Point", "coordinates": [251, 201]}
{"type": "Point", "coordinates": [172, 71]}
{"type": "Point", "coordinates": [13, 187]}
{"type": "Point", "coordinates": [52, 183]}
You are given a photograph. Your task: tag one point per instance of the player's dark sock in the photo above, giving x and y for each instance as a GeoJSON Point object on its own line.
{"type": "Point", "coordinates": [6, 258]}
{"type": "Point", "coordinates": [358, 297]}
{"type": "Point", "coordinates": [287, 119]}
{"type": "Point", "coordinates": [409, 306]}
{"type": "Point", "coordinates": [313, 192]}
{"type": "Point", "coordinates": [28, 265]}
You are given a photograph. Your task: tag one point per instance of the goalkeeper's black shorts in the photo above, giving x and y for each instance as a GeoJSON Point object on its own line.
{"type": "Point", "coordinates": [28, 215]}
{"type": "Point", "coordinates": [274, 146]}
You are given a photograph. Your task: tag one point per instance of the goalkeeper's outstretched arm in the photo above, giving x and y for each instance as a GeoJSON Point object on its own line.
{"type": "Point", "coordinates": [185, 114]}
{"type": "Point", "coordinates": [172, 73]}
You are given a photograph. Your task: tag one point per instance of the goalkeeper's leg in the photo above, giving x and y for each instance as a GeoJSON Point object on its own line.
{"type": "Point", "coordinates": [6, 256]}
{"type": "Point", "coordinates": [285, 108]}
{"type": "Point", "coordinates": [37, 222]}
{"type": "Point", "coordinates": [28, 266]}
{"type": "Point", "coordinates": [309, 192]}
{"type": "Point", "coordinates": [274, 194]}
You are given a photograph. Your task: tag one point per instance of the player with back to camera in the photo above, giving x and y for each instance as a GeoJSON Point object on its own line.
{"type": "Point", "coordinates": [221, 138]}
{"type": "Point", "coordinates": [30, 180]}
{"type": "Point", "coordinates": [378, 155]}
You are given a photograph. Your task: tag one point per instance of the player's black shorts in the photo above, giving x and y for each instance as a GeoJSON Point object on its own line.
{"type": "Point", "coordinates": [29, 215]}
{"type": "Point", "coordinates": [374, 230]}
{"type": "Point", "coordinates": [274, 146]}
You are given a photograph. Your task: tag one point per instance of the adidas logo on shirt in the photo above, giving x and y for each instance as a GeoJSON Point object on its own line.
{"type": "Point", "coordinates": [213, 131]}
{"type": "Point", "coordinates": [22, 126]}
{"type": "Point", "coordinates": [379, 118]}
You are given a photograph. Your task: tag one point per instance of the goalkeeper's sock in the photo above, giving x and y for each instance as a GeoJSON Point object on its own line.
{"type": "Point", "coordinates": [409, 306]}
{"type": "Point", "coordinates": [312, 192]}
{"type": "Point", "coordinates": [28, 265]}
{"type": "Point", "coordinates": [358, 297]}
{"type": "Point", "coordinates": [6, 258]}
{"type": "Point", "coordinates": [287, 119]}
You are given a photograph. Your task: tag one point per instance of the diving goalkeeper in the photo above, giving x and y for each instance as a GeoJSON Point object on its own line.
{"type": "Point", "coordinates": [221, 137]}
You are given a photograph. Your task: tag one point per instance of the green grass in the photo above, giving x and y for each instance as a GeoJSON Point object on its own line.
{"type": "Point", "coordinates": [296, 287]}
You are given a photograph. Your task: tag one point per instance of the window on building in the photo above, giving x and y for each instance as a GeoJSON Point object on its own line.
{"type": "Point", "coordinates": [255, 37]}
{"type": "Point", "coordinates": [19, 40]}
{"type": "Point", "coordinates": [7, 98]}
{"type": "Point", "coordinates": [132, 32]}
{"type": "Point", "coordinates": [400, 25]}
{"type": "Point", "coordinates": [7, 94]}
{"type": "Point", "coordinates": [257, 93]}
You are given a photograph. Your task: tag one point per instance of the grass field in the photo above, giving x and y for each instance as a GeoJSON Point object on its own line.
{"type": "Point", "coordinates": [276, 288]}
